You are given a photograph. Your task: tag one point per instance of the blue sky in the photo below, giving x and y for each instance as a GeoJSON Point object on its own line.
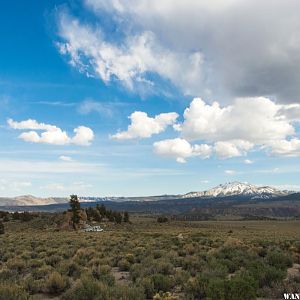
{"type": "Point", "coordinates": [161, 100]}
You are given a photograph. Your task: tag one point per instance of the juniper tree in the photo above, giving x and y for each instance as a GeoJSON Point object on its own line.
{"type": "Point", "coordinates": [118, 217]}
{"type": "Point", "coordinates": [1, 228]}
{"type": "Point", "coordinates": [75, 209]}
{"type": "Point", "coordinates": [126, 217]}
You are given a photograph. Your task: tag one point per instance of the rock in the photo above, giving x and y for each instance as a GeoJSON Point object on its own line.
{"type": "Point", "coordinates": [67, 223]}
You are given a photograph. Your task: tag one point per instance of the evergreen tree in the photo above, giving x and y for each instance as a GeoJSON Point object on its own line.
{"type": "Point", "coordinates": [16, 215]}
{"type": "Point", "coordinates": [1, 228]}
{"type": "Point", "coordinates": [25, 216]}
{"type": "Point", "coordinates": [126, 217]}
{"type": "Point", "coordinates": [75, 209]}
{"type": "Point", "coordinates": [118, 217]}
{"type": "Point", "coordinates": [102, 210]}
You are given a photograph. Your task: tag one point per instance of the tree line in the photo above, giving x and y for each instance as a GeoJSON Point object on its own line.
{"type": "Point", "coordinates": [98, 213]}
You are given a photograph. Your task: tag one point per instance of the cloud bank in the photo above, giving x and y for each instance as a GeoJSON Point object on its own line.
{"type": "Point", "coordinates": [233, 48]}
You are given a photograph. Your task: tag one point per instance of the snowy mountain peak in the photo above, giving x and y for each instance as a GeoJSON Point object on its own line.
{"type": "Point", "coordinates": [238, 188]}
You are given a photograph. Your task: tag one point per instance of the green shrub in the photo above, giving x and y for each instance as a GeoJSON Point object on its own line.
{"type": "Point", "coordinates": [240, 287]}
{"type": "Point", "coordinates": [269, 275]}
{"type": "Point", "coordinates": [148, 287]}
{"type": "Point", "coordinates": [127, 293]}
{"type": "Point", "coordinates": [88, 289]}
{"type": "Point", "coordinates": [70, 268]}
{"type": "Point", "coordinates": [10, 291]}
{"type": "Point", "coordinates": [124, 265]}
{"type": "Point", "coordinates": [103, 273]}
{"type": "Point", "coordinates": [196, 287]}
{"type": "Point", "coordinates": [216, 289]}
{"type": "Point", "coordinates": [53, 260]}
{"type": "Point", "coordinates": [162, 219]}
{"type": "Point", "coordinates": [8, 275]}
{"type": "Point", "coordinates": [56, 283]}
{"type": "Point", "coordinates": [165, 268]}
{"type": "Point", "coordinates": [33, 286]}
{"type": "Point", "coordinates": [41, 272]}
{"type": "Point", "coordinates": [278, 259]}
{"type": "Point", "coordinates": [161, 282]}
{"type": "Point", "coordinates": [17, 265]}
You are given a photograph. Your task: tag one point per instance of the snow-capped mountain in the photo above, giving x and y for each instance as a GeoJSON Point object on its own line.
{"type": "Point", "coordinates": [238, 188]}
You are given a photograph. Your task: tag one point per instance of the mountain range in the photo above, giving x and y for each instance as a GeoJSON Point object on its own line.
{"type": "Point", "coordinates": [239, 188]}
{"type": "Point", "coordinates": [222, 190]}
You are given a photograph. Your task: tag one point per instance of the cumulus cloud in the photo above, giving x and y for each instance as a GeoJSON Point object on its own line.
{"type": "Point", "coordinates": [143, 126]}
{"type": "Point", "coordinates": [286, 147]}
{"type": "Point", "coordinates": [83, 136]}
{"type": "Point", "coordinates": [181, 149]}
{"type": "Point", "coordinates": [232, 149]}
{"type": "Point", "coordinates": [235, 129]}
{"type": "Point", "coordinates": [252, 119]}
{"type": "Point", "coordinates": [237, 48]}
{"type": "Point", "coordinates": [51, 134]}
{"type": "Point", "coordinates": [248, 124]}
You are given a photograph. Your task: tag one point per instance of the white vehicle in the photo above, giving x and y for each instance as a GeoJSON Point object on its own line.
{"type": "Point", "coordinates": [89, 228]}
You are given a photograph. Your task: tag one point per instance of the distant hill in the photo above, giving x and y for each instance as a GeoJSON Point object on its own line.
{"type": "Point", "coordinates": [30, 200]}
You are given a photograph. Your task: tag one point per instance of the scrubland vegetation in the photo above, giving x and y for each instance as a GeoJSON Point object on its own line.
{"type": "Point", "coordinates": [146, 259]}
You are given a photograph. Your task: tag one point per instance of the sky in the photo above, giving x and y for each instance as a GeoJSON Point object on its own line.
{"type": "Point", "coordinates": [137, 97]}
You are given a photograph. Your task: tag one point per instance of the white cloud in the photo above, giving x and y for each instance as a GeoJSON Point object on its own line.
{"type": "Point", "coordinates": [248, 161]}
{"type": "Point", "coordinates": [232, 149]}
{"type": "Point", "coordinates": [128, 61]}
{"type": "Point", "coordinates": [51, 134]}
{"type": "Point", "coordinates": [247, 123]}
{"type": "Point", "coordinates": [143, 126]}
{"type": "Point", "coordinates": [230, 172]}
{"type": "Point", "coordinates": [230, 131]}
{"type": "Point", "coordinates": [30, 124]}
{"type": "Point", "coordinates": [65, 158]}
{"type": "Point", "coordinates": [83, 136]}
{"type": "Point", "coordinates": [30, 136]}
{"type": "Point", "coordinates": [286, 147]}
{"type": "Point", "coordinates": [181, 149]}
{"type": "Point", "coordinates": [254, 120]}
